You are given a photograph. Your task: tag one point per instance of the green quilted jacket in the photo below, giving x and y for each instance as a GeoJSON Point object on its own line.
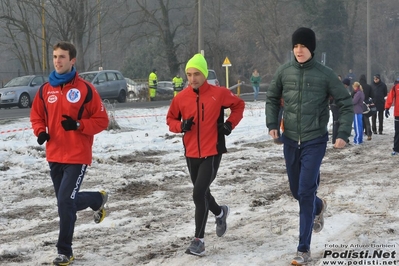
{"type": "Point", "coordinates": [306, 89]}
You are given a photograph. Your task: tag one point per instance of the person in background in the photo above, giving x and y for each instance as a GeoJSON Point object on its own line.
{"type": "Point", "coordinates": [198, 113]}
{"type": "Point", "coordinates": [393, 99]}
{"type": "Point", "coordinates": [66, 113]}
{"type": "Point", "coordinates": [177, 82]}
{"type": "Point", "coordinates": [255, 82]}
{"type": "Point", "coordinates": [368, 98]}
{"type": "Point", "coordinates": [152, 84]}
{"type": "Point", "coordinates": [347, 85]}
{"type": "Point", "coordinates": [358, 98]}
{"type": "Point", "coordinates": [380, 92]}
{"type": "Point", "coordinates": [351, 76]}
{"type": "Point", "coordinates": [305, 86]}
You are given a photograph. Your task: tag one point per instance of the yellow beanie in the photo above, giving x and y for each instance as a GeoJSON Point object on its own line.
{"type": "Point", "coordinates": [198, 61]}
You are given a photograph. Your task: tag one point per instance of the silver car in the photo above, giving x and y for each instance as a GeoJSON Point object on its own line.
{"type": "Point", "coordinates": [20, 91]}
{"type": "Point", "coordinates": [135, 88]}
{"type": "Point", "coordinates": [110, 84]}
{"type": "Point", "coordinates": [212, 79]}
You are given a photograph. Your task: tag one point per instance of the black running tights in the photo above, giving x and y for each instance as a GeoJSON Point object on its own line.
{"type": "Point", "coordinates": [203, 172]}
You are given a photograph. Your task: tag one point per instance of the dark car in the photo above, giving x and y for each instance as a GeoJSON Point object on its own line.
{"type": "Point", "coordinates": [20, 91]}
{"type": "Point", "coordinates": [110, 84]}
{"type": "Point", "coordinates": [165, 89]}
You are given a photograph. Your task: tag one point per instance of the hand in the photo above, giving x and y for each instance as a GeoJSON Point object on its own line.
{"type": "Point", "coordinates": [386, 113]}
{"type": "Point", "coordinates": [43, 136]}
{"type": "Point", "coordinates": [274, 134]}
{"type": "Point", "coordinates": [187, 124]}
{"type": "Point", "coordinates": [339, 144]}
{"type": "Point", "coordinates": [69, 123]}
{"type": "Point", "coordinates": [225, 128]}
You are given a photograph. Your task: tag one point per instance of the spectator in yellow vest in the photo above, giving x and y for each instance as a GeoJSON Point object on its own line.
{"type": "Point", "coordinates": [177, 84]}
{"type": "Point", "coordinates": [153, 83]}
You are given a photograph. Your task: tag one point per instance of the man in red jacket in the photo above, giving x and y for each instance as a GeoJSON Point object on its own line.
{"type": "Point", "coordinates": [198, 113]}
{"type": "Point", "coordinates": [67, 112]}
{"type": "Point", "coordinates": [392, 99]}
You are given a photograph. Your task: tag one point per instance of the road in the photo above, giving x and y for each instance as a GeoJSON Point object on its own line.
{"type": "Point", "coordinates": [15, 113]}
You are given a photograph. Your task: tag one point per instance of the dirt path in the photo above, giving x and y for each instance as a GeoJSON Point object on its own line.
{"type": "Point", "coordinates": [150, 210]}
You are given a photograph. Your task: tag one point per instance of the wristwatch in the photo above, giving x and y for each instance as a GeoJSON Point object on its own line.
{"type": "Point", "coordinates": [77, 124]}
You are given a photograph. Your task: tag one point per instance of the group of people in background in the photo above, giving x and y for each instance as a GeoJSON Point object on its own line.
{"type": "Point", "coordinates": [177, 82]}
{"type": "Point", "coordinates": [363, 95]}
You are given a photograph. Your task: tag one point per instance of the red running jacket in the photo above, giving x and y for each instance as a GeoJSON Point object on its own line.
{"type": "Point", "coordinates": [79, 100]}
{"type": "Point", "coordinates": [206, 105]}
{"type": "Point", "coordinates": [392, 99]}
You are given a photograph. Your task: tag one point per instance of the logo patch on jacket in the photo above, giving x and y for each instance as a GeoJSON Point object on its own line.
{"type": "Point", "coordinates": [52, 99]}
{"type": "Point", "coordinates": [73, 95]}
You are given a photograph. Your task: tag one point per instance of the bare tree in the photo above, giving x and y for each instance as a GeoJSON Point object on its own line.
{"type": "Point", "coordinates": [160, 24]}
{"type": "Point", "coordinates": [266, 25]}
{"type": "Point", "coordinates": [384, 39]}
{"type": "Point", "coordinates": [22, 32]}
{"type": "Point", "coordinates": [66, 20]}
{"type": "Point", "coordinates": [75, 21]}
{"type": "Point", "coordinates": [142, 34]}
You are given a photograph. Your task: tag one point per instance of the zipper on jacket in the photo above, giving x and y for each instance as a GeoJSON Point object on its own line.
{"type": "Point", "coordinates": [299, 108]}
{"type": "Point", "coordinates": [198, 127]}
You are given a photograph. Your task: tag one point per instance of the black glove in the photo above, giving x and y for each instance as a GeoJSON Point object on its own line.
{"type": "Point", "coordinates": [226, 128]}
{"type": "Point", "coordinates": [386, 113]}
{"type": "Point", "coordinates": [69, 123]}
{"type": "Point", "coordinates": [43, 136]}
{"type": "Point", "coordinates": [187, 124]}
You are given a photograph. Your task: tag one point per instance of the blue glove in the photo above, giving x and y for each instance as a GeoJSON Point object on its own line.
{"type": "Point", "coordinates": [386, 113]}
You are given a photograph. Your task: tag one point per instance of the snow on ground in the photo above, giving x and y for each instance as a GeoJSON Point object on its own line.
{"type": "Point", "coordinates": [150, 210]}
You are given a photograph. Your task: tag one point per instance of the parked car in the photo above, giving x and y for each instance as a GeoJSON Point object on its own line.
{"type": "Point", "coordinates": [212, 79]}
{"type": "Point", "coordinates": [110, 84]}
{"type": "Point", "coordinates": [20, 91]}
{"type": "Point", "coordinates": [134, 88]}
{"type": "Point", "coordinates": [165, 87]}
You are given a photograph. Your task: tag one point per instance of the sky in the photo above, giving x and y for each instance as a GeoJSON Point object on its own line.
{"type": "Point", "coordinates": [150, 212]}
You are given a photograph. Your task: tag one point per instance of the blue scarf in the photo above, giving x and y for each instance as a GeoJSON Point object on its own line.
{"type": "Point", "coordinates": [56, 79]}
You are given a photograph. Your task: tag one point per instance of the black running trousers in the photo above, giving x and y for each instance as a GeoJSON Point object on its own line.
{"type": "Point", "coordinates": [203, 172]}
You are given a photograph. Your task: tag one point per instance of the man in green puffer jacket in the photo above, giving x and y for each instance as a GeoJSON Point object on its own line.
{"type": "Point", "coordinates": [306, 85]}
